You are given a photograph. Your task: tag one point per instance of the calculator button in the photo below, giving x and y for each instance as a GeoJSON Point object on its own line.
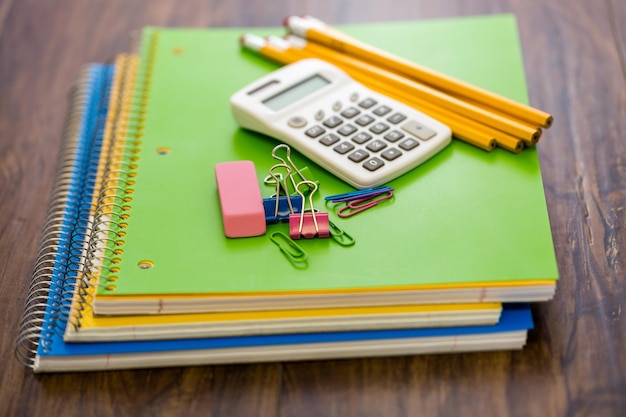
{"type": "Point", "coordinates": [409, 144]}
{"type": "Point", "coordinates": [367, 103]}
{"type": "Point", "coordinates": [376, 146]}
{"type": "Point", "coordinates": [361, 137]}
{"type": "Point", "coordinates": [354, 97]}
{"type": "Point", "coordinates": [394, 136]}
{"type": "Point", "coordinates": [296, 122]}
{"type": "Point", "coordinates": [379, 128]}
{"type": "Point", "coordinates": [314, 131]}
{"type": "Point", "coordinates": [373, 164]}
{"type": "Point", "coordinates": [364, 120]}
{"type": "Point", "coordinates": [396, 118]}
{"type": "Point", "coordinates": [358, 155]}
{"type": "Point", "coordinates": [346, 130]}
{"type": "Point", "coordinates": [381, 110]}
{"type": "Point", "coordinates": [418, 130]}
{"type": "Point", "coordinates": [333, 121]}
{"type": "Point", "coordinates": [329, 139]}
{"type": "Point", "coordinates": [391, 154]}
{"type": "Point", "coordinates": [343, 147]}
{"type": "Point", "coordinates": [337, 106]}
{"type": "Point", "coordinates": [319, 115]}
{"type": "Point", "coordinates": [350, 112]}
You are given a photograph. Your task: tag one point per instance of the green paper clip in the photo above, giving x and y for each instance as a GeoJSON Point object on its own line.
{"type": "Point", "coordinates": [290, 249]}
{"type": "Point", "coordinates": [339, 235]}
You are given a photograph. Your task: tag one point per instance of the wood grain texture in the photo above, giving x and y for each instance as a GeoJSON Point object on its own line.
{"type": "Point", "coordinates": [5, 6]}
{"type": "Point", "coordinates": [575, 362]}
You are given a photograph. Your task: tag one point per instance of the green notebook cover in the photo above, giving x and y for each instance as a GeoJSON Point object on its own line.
{"type": "Point", "coordinates": [465, 216]}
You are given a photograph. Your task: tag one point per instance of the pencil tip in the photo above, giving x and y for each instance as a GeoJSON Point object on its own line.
{"type": "Point", "coordinates": [549, 122]}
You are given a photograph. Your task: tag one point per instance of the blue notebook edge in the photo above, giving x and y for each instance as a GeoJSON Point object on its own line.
{"type": "Point", "coordinates": [514, 317]}
{"type": "Point", "coordinates": [56, 271]}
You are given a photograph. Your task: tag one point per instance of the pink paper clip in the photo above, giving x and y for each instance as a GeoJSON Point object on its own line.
{"type": "Point", "coordinates": [309, 223]}
{"type": "Point", "coordinates": [356, 206]}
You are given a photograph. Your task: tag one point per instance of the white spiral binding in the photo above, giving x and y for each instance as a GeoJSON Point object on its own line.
{"type": "Point", "coordinates": [94, 266]}
{"type": "Point", "coordinates": [35, 328]}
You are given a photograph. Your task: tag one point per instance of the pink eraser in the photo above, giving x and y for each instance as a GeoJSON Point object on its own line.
{"type": "Point", "coordinates": [240, 199]}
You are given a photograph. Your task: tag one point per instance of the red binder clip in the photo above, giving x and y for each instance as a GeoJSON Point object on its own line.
{"type": "Point", "coordinates": [309, 223]}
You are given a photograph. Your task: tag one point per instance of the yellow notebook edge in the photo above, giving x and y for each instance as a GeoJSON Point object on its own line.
{"type": "Point", "coordinates": [104, 185]}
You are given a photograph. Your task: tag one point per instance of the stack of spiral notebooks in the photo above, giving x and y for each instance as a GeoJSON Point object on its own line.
{"type": "Point", "coordinates": [134, 269]}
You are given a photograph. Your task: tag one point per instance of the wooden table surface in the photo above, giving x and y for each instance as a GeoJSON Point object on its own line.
{"type": "Point", "coordinates": [575, 361]}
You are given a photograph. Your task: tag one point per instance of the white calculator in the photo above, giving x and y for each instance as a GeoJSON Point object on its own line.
{"type": "Point", "coordinates": [363, 137]}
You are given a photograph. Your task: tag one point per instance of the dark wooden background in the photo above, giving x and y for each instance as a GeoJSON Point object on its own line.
{"type": "Point", "coordinates": [575, 362]}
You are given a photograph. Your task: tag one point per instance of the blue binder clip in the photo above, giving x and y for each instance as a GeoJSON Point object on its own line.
{"type": "Point", "coordinates": [278, 208]}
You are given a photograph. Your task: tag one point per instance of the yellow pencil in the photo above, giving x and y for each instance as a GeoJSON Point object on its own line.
{"type": "Point", "coordinates": [317, 31]}
{"type": "Point", "coordinates": [462, 128]}
{"type": "Point", "coordinates": [260, 45]}
{"type": "Point", "coordinates": [509, 143]}
{"type": "Point", "coordinates": [279, 50]}
{"type": "Point", "coordinates": [495, 111]}
{"type": "Point", "coordinates": [354, 66]}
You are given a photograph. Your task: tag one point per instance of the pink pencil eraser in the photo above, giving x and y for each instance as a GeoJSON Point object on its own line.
{"type": "Point", "coordinates": [240, 199]}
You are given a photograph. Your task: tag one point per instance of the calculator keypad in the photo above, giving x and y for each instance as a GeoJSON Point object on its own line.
{"type": "Point", "coordinates": [333, 121]}
{"type": "Point", "coordinates": [314, 131]}
{"type": "Point", "coordinates": [376, 145]}
{"type": "Point", "coordinates": [366, 132]}
{"type": "Point", "coordinates": [350, 112]}
{"type": "Point", "coordinates": [347, 130]}
{"type": "Point", "coordinates": [396, 118]}
{"type": "Point", "coordinates": [364, 120]}
{"type": "Point", "coordinates": [329, 139]}
{"type": "Point", "coordinates": [367, 103]}
{"type": "Point", "coordinates": [343, 148]}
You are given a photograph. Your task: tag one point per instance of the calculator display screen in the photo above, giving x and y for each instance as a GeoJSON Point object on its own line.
{"type": "Point", "coordinates": [296, 92]}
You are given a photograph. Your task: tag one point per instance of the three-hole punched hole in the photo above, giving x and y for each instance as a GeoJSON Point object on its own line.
{"type": "Point", "coordinates": [143, 264]}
